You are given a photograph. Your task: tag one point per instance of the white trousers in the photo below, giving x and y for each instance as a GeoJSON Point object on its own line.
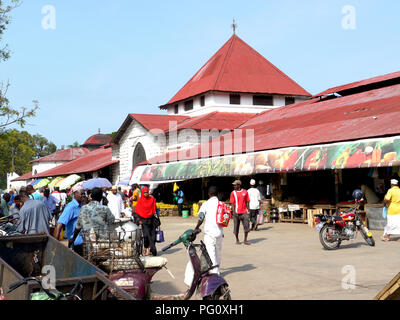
{"type": "Point", "coordinates": [393, 224]}
{"type": "Point", "coordinates": [214, 248]}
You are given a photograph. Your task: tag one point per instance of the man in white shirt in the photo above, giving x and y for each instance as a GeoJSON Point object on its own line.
{"type": "Point", "coordinates": [115, 202]}
{"type": "Point", "coordinates": [213, 233]}
{"type": "Point", "coordinates": [254, 205]}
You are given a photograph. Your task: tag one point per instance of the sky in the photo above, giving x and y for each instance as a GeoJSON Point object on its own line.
{"type": "Point", "coordinates": [101, 60]}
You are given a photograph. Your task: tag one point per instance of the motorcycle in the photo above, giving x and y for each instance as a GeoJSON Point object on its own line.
{"type": "Point", "coordinates": [335, 229]}
{"type": "Point", "coordinates": [210, 286]}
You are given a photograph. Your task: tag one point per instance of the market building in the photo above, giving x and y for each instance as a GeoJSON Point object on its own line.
{"type": "Point", "coordinates": [314, 153]}
{"type": "Point", "coordinates": [234, 85]}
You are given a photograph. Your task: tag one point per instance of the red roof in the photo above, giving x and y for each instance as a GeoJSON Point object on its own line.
{"type": "Point", "coordinates": [98, 140]}
{"type": "Point", "coordinates": [358, 84]}
{"type": "Point", "coordinates": [93, 161]}
{"type": "Point", "coordinates": [237, 67]}
{"type": "Point", "coordinates": [364, 115]}
{"type": "Point", "coordinates": [157, 121]}
{"type": "Point", "coordinates": [215, 120]}
{"type": "Point", "coordinates": [64, 155]}
{"type": "Point", "coordinates": [150, 122]}
{"type": "Point", "coordinates": [24, 177]}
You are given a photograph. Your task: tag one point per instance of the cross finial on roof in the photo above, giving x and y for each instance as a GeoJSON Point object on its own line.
{"type": "Point", "coordinates": [234, 26]}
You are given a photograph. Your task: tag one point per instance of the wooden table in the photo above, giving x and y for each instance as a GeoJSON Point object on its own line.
{"type": "Point", "coordinates": [287, 212]}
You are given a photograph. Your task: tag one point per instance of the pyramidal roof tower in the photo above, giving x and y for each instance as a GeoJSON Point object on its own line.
{"type": "Point", "coordinates": [236, 79]}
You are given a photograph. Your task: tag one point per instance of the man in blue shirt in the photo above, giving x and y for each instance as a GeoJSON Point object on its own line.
{"type": "Point", "coordinates": [50, 201]}
{"type": "Point", "coordinates": [69, 218]}
{"type": "Point", "coordinates": [33, 194]}
{"type": "Point", "coordinates": [180, 195]}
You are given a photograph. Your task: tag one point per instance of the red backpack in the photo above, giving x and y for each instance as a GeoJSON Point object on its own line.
{"type": "Point", "coordinates": [223, 214]}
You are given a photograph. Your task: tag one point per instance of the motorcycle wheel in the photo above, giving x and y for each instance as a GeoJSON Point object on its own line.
{"type": "Point", "coordinates": [222, 293]}
{"type": "Point", "coordinates": [369, 240]}
{"type": "Point", "coordinates": [323, 239]}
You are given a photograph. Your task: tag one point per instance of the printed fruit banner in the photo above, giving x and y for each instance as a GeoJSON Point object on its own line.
{"type": "Point", "coordinates": [357, 154]}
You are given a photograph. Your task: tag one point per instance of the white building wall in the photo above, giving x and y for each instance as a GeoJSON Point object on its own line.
{"type": "Point", "coordinates": [123, 152]}
{"type": "Point", "coordinates": [40, 167]}
{"type": "Point", "coordinates": [220, 102]}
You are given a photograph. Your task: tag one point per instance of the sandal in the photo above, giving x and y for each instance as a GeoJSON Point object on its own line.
{"type": "Point", "coordinates": [385, 239]}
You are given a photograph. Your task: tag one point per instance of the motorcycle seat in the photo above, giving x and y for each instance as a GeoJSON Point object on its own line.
{"type": "Point", "coordinates": [130, 263]}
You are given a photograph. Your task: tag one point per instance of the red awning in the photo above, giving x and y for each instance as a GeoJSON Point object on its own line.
{"type": "Point", "coordinates": [24, 177]}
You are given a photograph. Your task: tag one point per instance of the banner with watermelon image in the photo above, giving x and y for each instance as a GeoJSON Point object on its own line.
{"type": "Point", "coordinates": [357, 154]}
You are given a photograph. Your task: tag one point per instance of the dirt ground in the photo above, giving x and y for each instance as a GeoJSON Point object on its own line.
{"type": "Point", "coordinates": [286, 261]}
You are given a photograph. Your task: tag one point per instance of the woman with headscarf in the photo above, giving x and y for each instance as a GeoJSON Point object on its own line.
{"type": "Point", "coordinates": [145, 210]}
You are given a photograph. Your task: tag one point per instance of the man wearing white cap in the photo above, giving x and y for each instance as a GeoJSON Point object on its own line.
{"type": "Point", "coordinates": [115, 202]}
{"type": "Point", "coordinates": [255, 203]}
{"type": "Point", "coordinates": [392, 201]}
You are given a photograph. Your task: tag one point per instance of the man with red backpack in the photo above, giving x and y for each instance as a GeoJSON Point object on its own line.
{"type": "Point", "coordinates": [216, 216]}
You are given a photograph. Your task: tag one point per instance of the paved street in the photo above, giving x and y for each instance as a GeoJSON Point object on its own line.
{"type": "Point", "coordinates": [285, 261]}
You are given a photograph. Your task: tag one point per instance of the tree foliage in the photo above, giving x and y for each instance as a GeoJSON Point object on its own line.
{"type": "Point", "coordinates": [8, 114]}
{"type": "Point", "coordinates": [18, 148]}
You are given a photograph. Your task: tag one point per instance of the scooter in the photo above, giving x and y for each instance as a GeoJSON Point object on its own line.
{"type": "Point", "coordinates": [210, 286]}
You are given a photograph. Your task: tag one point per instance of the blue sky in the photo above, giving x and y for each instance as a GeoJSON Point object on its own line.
{"type": "Point", "coordinates": [106, 59]}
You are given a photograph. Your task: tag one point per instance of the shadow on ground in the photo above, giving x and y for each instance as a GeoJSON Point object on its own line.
{"type": "Point", "coordinates": [246, 267]}
{"type": "Point", "coordinates": [253, 241]}
{"type": "Point", "coordinates": [169, 251]}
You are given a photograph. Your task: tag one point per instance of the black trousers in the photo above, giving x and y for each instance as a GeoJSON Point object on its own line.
{"type": "Point", "coordinates": [180, 209]}
{"type": "Point", "coordinates": [149, 235]}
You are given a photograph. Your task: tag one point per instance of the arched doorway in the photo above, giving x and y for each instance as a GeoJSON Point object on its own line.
{"type": "Point", "coordinates": [139, 155]}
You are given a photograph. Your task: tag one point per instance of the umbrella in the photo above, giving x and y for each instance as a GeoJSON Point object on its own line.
{"type": "Point", "coordinates": [53, 183]}
{"type": "Point", "coordinates": [124, 182]}
{"type": "Point", "coordinates": [36, 182]}
{"type": "Point", "coordinates": [78, 186]}
{"type": "Point", "coordinates": [57, 184]}
{"type": "Point", "coordinates": [42, 183]}
{"type": "Point", "coordinates": [97, 183]}
{"type": "Point", "coordinates": [69, 181]}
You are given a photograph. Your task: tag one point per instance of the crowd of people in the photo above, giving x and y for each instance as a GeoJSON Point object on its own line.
{"type": "Point", "coordinates": [43, 210]}
{"type": "Point", "coordinates": [100, 208]}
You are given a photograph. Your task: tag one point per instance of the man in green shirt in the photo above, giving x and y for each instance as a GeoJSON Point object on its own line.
{"type": "Point", "coordinates": [4, 206]}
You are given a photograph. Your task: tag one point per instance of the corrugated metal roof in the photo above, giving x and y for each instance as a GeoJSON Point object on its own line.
{"type": "Point", "coordinates": [358, 84]}
{"type": "Point", "coordinates": [215, 120]}
{"type": "Point", "coordinates": [237, 67]}
{"type": "Point", "coordinates": [93, 161]}
{"type": "Point", "coordinates": [98, 140]}
{"type": "Point", "coordinates": [64, 155]}
{"type": "Point", "coordinates": [368, 114]}
{"type": "Point", "coordinates": [24, 177]}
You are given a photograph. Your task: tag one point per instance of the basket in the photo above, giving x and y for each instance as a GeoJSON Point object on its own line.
{"type": "Point", "coordinates": [112, 250]}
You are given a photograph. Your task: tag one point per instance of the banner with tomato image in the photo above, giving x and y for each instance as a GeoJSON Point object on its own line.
{"type": "Point", "coordinates": [358, 154]}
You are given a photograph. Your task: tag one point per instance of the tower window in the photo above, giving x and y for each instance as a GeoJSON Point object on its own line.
{"type": "Point", "coordinates": [234, 98]}
{"type": "Point", "coordinates": [188, 105]}
{"type": "Point", "coordinates": [202, 101]}
{"type": "Point", "coordinates": [289, 100]}
{"type": "Point", "coordinates": [263, 100]}
{"type": "Point", "coordinates": [176, 110]}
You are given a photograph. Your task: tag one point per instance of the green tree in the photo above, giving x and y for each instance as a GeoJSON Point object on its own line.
{"type": "Point", "coordinates": [18, 149]}
{"type": "Point", "coordinates": [42, 146]}
{"type": "Point", "coordinates": [74, 145]}
{"type": "Point", "coordinates": [8, 114]}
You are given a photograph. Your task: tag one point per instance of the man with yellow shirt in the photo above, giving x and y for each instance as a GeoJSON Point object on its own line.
{"type": "Point", "coordinates": [135, 197]}
{"type": "Point", "coordinates": [392, 201]}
